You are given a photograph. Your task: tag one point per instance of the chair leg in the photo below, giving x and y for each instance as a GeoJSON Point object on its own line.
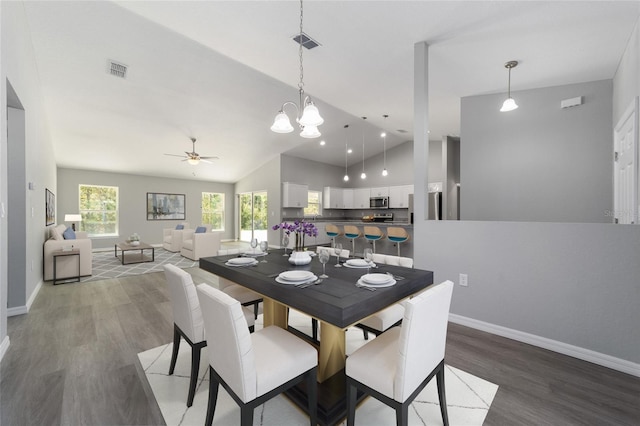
{"type": "Point", "coordinates": [312, 395]}
{"type": "Point", "coordinates": [213, 398]}
{"type": "Point", "coordinates": [402, 414]}
{"type": "Point", "coordinates": [351, 404]}
{"type": "Point", "coordinates": [442, 396]}
{"type": "Point", "coordinates": [314, 328]}
{"type": "Point", "coordinates": [176, 347]}
{"type": "Point", "coordinates": [252, 329]}
{"type": "Point", "coordinates": [246, 415]}
{"type": "Point", "coordinates": [365, 333]}
{"type": "Point", "coordinates": [255, 309]}
{"type": "Point", "coordinates": [195, 368]}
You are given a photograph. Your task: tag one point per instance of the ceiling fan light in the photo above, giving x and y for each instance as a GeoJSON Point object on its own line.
{"type": "Point", "coordinates": [193, 161]}
{"type": "Point", "coordinates": [281, 124]}
{"type": "Point", "coordinates": [310, 132]}
{"type": "Point", "coordinates": [509, 105]}
{"type": "Point", "coordinates": [311, 116]}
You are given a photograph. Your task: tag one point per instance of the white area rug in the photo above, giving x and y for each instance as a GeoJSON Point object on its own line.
{"type": "Point", "coordinates": [106, 265]}
{"type": "Point", "coordinates": [468, 397]}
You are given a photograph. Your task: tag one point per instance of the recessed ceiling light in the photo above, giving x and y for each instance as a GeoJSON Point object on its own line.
{"type": "Point", "coordinates": [322, 143]}
{"type": "Point", "coordinates": [349, 151]}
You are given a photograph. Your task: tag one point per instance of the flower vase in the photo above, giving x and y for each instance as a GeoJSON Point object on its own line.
{"type": "Point", "coordinates": [300, 258]}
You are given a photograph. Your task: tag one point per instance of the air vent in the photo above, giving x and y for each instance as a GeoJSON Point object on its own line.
{"type": "Point", "coordinates": [307, 41]}
{"type": "Point", "coordinates": [402, 131]}
{"type": "Point", "coordinates": [117, 69]}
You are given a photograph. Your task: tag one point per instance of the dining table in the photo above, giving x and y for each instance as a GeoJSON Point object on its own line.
{"type": "Point", "coordinates": [336, 302]}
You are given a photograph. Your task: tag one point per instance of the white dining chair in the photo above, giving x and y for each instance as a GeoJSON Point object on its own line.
{"type": "Point", "coordinates": [245, 296]}
{"type": "Point", "coordinates": [188, 322]}
{"type": "Point", "coordinates": [396, 366]}
{"type": "Point", "coordinates": [252, 368]}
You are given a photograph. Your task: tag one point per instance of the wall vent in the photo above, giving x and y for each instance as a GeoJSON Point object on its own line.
{"type": "Point", "coordinates": [117, 69]}
{"type": "Point", "coordinates": [307, 41]}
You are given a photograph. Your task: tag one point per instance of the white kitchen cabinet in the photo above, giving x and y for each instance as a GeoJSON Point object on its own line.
{"type": "Point", "coordinates": [322, 238]}
{"type": "Point", "coordinates": [382, 191]}
{"type": "Point", "coordinates": [295, 195]}
{"type": "Point", "coordinates": [361, 198]}
{"type": "Point", "coordinates": [399, 196]}
{"type": "Point", "coordinates": [347, 198]}
{"type": "Point", "coordinates": [333, 198]}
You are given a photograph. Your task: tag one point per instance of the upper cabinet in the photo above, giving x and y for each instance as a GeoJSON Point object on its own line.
{"type": "Point", "coordinates": [399, 196]}
{"type": "Point", "coordinates": [295, 195]}
{"type": "Point", "coordinates": [333, 198]}
{"type": "Point", "coordinates": [361, 198]}
{"type": "Point", "coordinates": [382, 191]}
{"type": "Point", "coordinates": [347, 198]}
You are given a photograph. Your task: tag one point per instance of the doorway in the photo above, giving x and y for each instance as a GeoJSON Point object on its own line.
{"type": "Point", "coordinates": [253, 215]}
{"type": "Point", "coordinates": [625, 167]}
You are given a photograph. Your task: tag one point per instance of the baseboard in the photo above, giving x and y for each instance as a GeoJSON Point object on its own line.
{"type": "Point", "coordinates": [4, 347]}
{"type": "Point", "coordinates": [34, 295]}
{"type": "Point", "coordinates": [594, 357]}
{"type": "Point", "coordinates": [17, 310]}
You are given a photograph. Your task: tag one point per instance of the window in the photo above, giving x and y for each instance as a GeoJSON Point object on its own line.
{"type": "Point", "coordinates": [99, 210]}
{"type": "Point", "coordinates": [314, 208]}
{"type": "Point", "coordinates": [213, 210]}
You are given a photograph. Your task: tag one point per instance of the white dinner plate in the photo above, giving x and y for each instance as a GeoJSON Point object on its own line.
{"type": "Point", "coordinates": [296, 276]}
{"type": "Point", "coordinates": [376, 279]}
{"type": "Point", "coordinates": [356, 262]}
{"type": "Point", "coordinates": [311, 279]}
{"type": "Point", "coordinates": [241, 260]}
{"type": "Point", "coordinates": [254, 252]}
{"type": "Point", "coordinates": [253, 262]}
{"type": "Point", "coordinates": [373, 265]}
{"type": "Point", "coordinates": [364, 284]}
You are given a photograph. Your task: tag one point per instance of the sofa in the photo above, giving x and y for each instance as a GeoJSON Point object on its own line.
{"type": "Point", "coordinates": [196, 245]}
{"type": "Point", "coordinates": [66, 267]}
{"type": "Point", "coordinates": [172, 237]}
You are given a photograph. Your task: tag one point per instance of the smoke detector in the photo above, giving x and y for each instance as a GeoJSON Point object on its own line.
{"type": "Point", "coordinates": [116, 69]}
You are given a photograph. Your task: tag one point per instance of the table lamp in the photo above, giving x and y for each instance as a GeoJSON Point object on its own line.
{"type": "Point", "coordinates": [73, 218]}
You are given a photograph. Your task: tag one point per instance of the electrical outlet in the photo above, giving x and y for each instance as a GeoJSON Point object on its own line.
{"type": "Point", "coordinates": [464, 280]}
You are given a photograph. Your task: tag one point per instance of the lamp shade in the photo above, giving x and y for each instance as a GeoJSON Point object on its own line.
{"type": "Point", "coordinates": [508, 105]}
{"type": "Point", "coordinates": [193, 161]}
{"type": "Point", "coordinates": [73, 218]}
{"type": "Point", "coordinates": [281, 124]}
{"type": "Point", "coordinates": [311, 116]}
{"type": "Point", "coordinates": [310, 132]}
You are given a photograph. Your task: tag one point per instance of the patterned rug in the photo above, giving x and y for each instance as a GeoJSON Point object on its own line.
{"type": "Point", "coordinates": [106, 265]}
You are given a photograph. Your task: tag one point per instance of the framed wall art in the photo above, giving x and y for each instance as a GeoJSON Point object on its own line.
{"type": "Point", "coordinates": [49, 207]}
{"type": "Point", "coordinates": [161, 206]}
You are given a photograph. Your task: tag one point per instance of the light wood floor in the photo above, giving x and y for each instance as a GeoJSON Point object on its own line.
{"type": "Point", "coordinates": [72, 360]}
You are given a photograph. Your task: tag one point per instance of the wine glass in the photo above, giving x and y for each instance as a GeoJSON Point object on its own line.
{"type": "Point", "coordinates": [368, 257]}
{"type": "Point", "coordinates": [254, 244]}
{"type": "Point", "coordinates": [323, 257]}
{"type": "Point", "coordinates": [337, 250]}
{"type": "Point", "coordinates": [264, 246]}
{"type": "Point", "coordinates": [285, 243]}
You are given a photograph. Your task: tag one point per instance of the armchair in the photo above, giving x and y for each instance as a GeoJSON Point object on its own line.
{"type": "Point", "coordinates": [196, 245]}
{"type": "Point", "coordinates": [172, 237]}
{"type": "Point", "coordinates": [56, 242]}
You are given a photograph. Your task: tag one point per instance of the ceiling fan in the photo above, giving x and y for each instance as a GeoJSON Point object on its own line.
{"type": "Point", "coordinates": [193, 157]}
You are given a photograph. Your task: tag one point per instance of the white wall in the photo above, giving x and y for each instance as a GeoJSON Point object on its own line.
{"type": "Point", "coordinates": [569, 287]}
{"type": "Point", "coordinates": [132, 191]}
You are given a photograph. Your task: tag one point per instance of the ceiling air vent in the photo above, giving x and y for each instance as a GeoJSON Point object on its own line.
{"type": "Point", "coordinates": [117, 69]}
{"type": "Point", "coordinates": [307, 41]}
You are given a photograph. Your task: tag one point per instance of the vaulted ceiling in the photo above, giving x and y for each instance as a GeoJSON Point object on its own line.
{"type": "Point", "coordinates": [220, 70]}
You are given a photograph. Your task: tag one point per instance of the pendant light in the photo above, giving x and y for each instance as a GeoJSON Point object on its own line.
{"type": "Point", "coordinates": [346, 151]}
{"type": "Point", "coordinates": [363, 175]}
{"type": "Point", "coordinates": [383, 135]}
{"type": "Point", "coordinates": [509, 103]}
{"type": "Point", "coordinates": [310, 119]}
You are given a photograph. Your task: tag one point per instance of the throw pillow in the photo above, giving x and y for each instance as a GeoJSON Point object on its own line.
{"type": "Point", "coordinates": [201, 230]}
{"type": "Point", "coordinates": [69, 234]}
{"type": "Point", "coordinates": [56, 233]}
{"type": "Point", "coordinates": [179, 226]}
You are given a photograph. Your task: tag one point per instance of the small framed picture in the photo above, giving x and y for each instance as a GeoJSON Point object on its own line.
{"type": "Point", "coordinates": [49, 207]}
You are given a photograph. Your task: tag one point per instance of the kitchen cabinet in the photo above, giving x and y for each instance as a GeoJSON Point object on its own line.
{"type": "Point", "coordinates": [399, 196]}
{"type": "Point", "coordinates": [322, 238]}
{"type": "Point", "coordinates": [333, 197]}
{"type": "Point", "coordinates": [295, 195]}
{"type": "Point", "coordinates": [382, 191]}
{"type": "Point", "coordinates": [361, 198]}
{"type": "Point", "coordinates": [347, 198]}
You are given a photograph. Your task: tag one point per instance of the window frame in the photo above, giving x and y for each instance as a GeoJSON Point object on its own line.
{"type": "Point", "coordinates": [220, 211]}
{"type": "Point", "coordinates": [309, 204]}
{"type": "Point", "coordinates": [83, 211]}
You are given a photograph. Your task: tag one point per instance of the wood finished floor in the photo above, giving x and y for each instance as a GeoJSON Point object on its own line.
{"type": "Point", "coordinates": [72, 361]}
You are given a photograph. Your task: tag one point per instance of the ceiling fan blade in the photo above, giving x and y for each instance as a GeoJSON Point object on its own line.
{"type": "Point", "coordinates": [206, 161]}
{"type": "Point", "coordinates": [209, 158]}
{"type": "Point", "coordinates": [175, 155]}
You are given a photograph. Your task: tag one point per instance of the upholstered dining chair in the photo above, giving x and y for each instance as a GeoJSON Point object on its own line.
{"type": "Point", "coordinates": [188, 322]}
{"type": "Point", "coordinates": [397, 365]}
{"type": "Point", "coordinates": [252, 368]}
{"type": "Point", "coordinates": [245, 296]}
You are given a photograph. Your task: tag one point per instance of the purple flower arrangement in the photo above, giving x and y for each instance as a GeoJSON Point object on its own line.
{"type": "Point", "coordinates": [300, 228]}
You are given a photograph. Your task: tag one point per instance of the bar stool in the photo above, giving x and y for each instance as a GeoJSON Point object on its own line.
{"type": "Point", "coordinates": [397, 235]}
{"type": "Point", "coordinates": [352, 232]}
{"type": "Point", "coordinates": [332, 232]}
{"type": "Point", "coordinates": [373, 233]}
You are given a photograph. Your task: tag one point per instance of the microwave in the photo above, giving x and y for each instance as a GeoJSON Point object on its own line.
{"type": "Point", "coordinates": [379, 202]}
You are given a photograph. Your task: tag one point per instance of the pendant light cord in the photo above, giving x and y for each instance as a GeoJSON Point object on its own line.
{"type": "Point", "coordinates": [301, 83]}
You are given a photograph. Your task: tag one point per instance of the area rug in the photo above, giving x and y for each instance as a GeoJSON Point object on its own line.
{"type": "Point", "coordinates": [106, 265]}
{"type": "Point", "coordinates": [468, 397]}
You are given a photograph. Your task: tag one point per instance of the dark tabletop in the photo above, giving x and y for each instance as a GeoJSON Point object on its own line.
{"type": "Point", "coordinates": [336, 300]}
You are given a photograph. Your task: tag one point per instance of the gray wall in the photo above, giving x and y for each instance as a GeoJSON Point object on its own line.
{"type": "Point", "coordinates": [539, 162]}
{"type": "Point", "coordinates": [133, 195]}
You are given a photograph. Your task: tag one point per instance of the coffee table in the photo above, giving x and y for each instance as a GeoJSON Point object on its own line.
{"type": "Point", "coordinates": [134, 254]}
